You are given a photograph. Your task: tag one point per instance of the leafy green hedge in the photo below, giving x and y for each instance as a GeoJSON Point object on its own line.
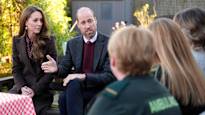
{"type": "Point", "coordinates": [57, 13]}
{"type": "Point", "coordinates": [59, 20]}
{"type": "Point", "coordinates": [5, 69]}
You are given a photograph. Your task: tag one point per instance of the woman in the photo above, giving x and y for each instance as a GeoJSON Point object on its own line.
{"type": "Point", "coordinates": [131, 54]}
{"type": "Point", "coordinates": [29, 50]}
{"type": "Point", "coordinates": [180, 73]}
{"type": "Point", "coordinates": [192, 23]}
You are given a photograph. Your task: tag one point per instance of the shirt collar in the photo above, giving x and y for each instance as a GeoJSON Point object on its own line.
{"type": "Point", "coordinates": [92, 40]}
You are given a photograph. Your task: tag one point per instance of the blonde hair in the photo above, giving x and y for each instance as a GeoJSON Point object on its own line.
{"type": "Point", "coordinates": [133, 48]}
{"type": "Point", "coordinates": [179, 70]}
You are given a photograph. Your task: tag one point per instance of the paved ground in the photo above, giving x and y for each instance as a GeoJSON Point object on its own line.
{"type": "Point", "coordinates": [55, 101]}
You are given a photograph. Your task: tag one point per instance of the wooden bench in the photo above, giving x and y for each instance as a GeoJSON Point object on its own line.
{"type": "Point", "coordinates": [6, 81]}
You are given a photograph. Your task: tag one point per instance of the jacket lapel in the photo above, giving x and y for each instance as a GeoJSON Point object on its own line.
{"type": "Point", "coordinates": [97, 51]}
{"type": "Point", "coordinates": [23, 54]}
{"type": "Point", "coordinates": [79, 53]}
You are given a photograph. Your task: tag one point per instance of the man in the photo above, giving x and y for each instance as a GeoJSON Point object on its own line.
{"type": "Point", "coordinates": [87, 55]}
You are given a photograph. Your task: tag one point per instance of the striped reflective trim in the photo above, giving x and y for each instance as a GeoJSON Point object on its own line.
{"type": "Point", "coordinates": [113, 92]}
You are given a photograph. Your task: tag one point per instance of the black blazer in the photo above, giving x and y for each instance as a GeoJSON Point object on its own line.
{"type": "Point", "coordinates": [27, 72]}
{"type": "Point", "coordinates": [73, 60]}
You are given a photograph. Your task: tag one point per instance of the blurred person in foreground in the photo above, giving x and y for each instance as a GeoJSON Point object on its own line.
{"type": "Point", "coordinates": [131, 52]}
{"type": "Point", "coordinates": [178, 70]}
{"type": "Point", "coordinates": [192, 24]}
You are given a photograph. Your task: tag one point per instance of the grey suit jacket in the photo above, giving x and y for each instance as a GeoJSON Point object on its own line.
{"type": "Point", "coordinates": [73, 60]}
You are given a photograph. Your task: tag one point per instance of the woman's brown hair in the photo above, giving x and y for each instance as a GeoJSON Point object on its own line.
{"type": "Point", "coordinates": [40, 41]}
{"type": "Point", "coordinates": [192, 23]}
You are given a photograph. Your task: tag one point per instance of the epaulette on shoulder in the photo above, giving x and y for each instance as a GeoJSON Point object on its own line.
{"type": "Point", "coordinates": [114, 89]}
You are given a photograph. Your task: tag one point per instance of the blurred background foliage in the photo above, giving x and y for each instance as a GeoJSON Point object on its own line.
{"type": "Point", "coordinates": [59, 20]}
{"type": "Point", "coordinates": [145, 13]}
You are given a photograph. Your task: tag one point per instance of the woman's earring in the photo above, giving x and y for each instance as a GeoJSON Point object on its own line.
{"type": "Point", "coordinates": [26, 28]}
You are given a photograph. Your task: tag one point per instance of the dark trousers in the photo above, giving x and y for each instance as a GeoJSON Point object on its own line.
{"type": "Point", "coordinates": [42, 103]}
{"type": "Point", "coordinates": [74, 99]}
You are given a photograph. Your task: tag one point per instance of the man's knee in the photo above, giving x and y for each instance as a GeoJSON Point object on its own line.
{"type": "Point", "coordinates": [74, 84]}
